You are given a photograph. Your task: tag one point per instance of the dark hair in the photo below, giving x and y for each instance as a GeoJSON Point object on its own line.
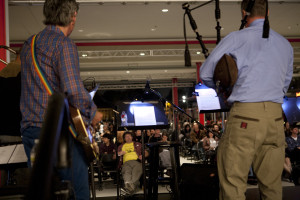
{"type": "Point", "coordinates": [207, 134]}
{"type": "Point", "coordinates": [126, 133]}
{"type": "Point", "coordinates": [106, 135]}
{"type": "Point", "coordinates": [258, 10]}
{"type": "Point", "coordinates": [59, 12]}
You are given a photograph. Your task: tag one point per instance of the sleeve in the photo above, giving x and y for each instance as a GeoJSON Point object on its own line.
{"type": "Point", "coordinates": [289, 143]}
{"type": "Point", "coordinates": [289, 73]}
{"type": "Point", "coordinates": [208, 67]}
{"type": "Point", "coordinates": [71, 82]}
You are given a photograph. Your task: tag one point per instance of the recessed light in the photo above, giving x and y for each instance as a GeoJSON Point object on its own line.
{"type": "Point", "coordinates": [84, 55]}
{"type": "Point", "coordinates": [198, 52]}
{"type": "Point", "coordinates": [80, 30]}
{"type": "Point", "coordinates": [127, 72]}
{"type": "Point", "coordinates": [153, 29]}
{"type": "Point", "coordinates": [166, 71]}
{"type": "Point", "coordinates": [222, 28]}
{"type": "Point", "coordinates": [142, 54]}
{"type": "Point", "coordinates": [164, 10]}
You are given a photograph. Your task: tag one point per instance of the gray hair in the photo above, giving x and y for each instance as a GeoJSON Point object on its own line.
{"type": "Point", "coordinates": [59, 12]}
{"type": "Point", "coordinates": [258, 10]}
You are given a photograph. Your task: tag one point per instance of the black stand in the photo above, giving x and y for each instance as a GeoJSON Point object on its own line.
{"type": "Point", "coordinates": [154, 165]}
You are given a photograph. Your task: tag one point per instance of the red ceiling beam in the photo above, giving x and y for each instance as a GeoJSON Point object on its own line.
{"type": "Point", "coordinates": [145, 43]}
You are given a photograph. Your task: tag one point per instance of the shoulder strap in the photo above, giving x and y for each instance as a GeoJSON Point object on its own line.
{"type": "Point", "coordinates": [45, 82]}
{"type": "Point", "coordinates": [38, 69]}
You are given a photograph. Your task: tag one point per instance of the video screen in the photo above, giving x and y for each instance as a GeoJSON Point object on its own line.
{"type": "Point", "coordinates": [291, 109]}
{"type": "Point", "coordinates": [209, 101]}
{"type": "Point", "coordinates": [142, 115]}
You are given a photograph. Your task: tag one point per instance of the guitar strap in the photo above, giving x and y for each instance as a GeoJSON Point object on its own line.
{"type": "Point", "coordinates": [44, 81]}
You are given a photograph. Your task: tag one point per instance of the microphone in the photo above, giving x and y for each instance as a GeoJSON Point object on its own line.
{"type": "Point", "coordinates": [147, 88]}
{"type": "Point", "coordinates": [188, 12]}
{"type": "Point", "coordinates": [187, 57]}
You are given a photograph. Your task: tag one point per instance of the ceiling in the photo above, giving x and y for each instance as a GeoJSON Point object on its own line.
{"type": "Point", "coordinates": [123, 43]}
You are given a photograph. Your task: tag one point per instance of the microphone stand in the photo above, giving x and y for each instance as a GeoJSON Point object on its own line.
{"type": "Point", "coordinates": [163, 100]}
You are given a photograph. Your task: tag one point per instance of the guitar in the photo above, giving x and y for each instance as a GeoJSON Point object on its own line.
{"type": "Point", "coordinates": [84, 135]}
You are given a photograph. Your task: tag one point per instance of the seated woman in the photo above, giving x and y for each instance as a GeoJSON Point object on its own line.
{"type": "Point", "coordinates": [210, 145]}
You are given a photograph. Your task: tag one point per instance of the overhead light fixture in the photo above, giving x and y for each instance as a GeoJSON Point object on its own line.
{"type": "Point", "coordinates": [198, 52]}
{"type": "Point", "coordinates": [84, 55]}
{"type": "Point", "coordinates": [142, 54]}
{"type": "Point", "coordinates": [80, 30]}
{"type": "Point", "coordinates": [164, 10]}
{"type": "Point", "coordinates": [127, 72]}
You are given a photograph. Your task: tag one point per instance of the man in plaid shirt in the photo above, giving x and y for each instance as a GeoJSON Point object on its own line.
{"type": "Point", "coordinates": [58, 58]}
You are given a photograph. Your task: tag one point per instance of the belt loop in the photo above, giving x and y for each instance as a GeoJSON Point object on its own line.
{"type": "Point", "coordinates": [265, 106]}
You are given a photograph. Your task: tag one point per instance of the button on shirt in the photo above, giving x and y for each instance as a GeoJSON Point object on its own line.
{"type": "Point", "coordinates": [58, 57]}
{"type": "Point", "coordinates": [265, 65]}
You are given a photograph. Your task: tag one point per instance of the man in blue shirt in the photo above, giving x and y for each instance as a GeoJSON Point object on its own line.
{"type": "Point", "coordinates": [254, 131]}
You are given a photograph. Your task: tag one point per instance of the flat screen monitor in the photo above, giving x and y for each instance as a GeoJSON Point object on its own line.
{"type": "Point", "coordinates": [291, 109]}
{"type": "Point", "coordinates": [209, 101]}
{"type": "Point", "coordinates": [142, 115]}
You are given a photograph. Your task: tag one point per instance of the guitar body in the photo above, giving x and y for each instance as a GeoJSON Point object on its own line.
{"type": "Point", "coordinates": [84, 135]}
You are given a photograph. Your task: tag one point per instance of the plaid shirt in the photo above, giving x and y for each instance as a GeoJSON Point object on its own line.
{"type": "Point", "coordinates": [58, 57]}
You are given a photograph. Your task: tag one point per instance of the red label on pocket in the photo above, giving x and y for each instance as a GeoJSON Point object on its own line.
{"type": "Point", "coordinates": [244, 125]}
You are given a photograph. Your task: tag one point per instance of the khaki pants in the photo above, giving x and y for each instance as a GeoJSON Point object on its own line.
{"type": "Point", "coordinates": [254, 135]}
{"type": "Point", "coordinates": [132, 171]}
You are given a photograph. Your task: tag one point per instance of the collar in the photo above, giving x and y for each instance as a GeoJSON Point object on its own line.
{"type": "Point", "coordinates": [257, 22]}
{"type": "Point", "coordinates": [55, 29]}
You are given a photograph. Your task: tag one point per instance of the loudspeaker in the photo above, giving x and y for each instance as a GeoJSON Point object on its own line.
{"type": "Point", "coordinates": [199, 181]}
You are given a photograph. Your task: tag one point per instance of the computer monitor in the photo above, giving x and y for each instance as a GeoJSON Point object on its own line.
{"type": "Point", "coordinates": [142, 115]}
{"type": "Point", "coordinates": [209, 101]}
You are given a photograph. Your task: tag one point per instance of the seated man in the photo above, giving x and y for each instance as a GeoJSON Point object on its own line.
{"type": "Point", "coordinates": [107, 149]}
{"type": "Point", "coordinates": [130, 156]}
{"type": "Point", "coordinates": [293, 142]}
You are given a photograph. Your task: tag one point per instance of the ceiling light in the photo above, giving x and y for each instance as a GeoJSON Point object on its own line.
{"type": "Point", "coordinates": [80, 30]}
{"type": "Point", "coordinates": [183, 97]}
{"type": "Point", "coordinates": [166, 70]}
{"type": "Point", "coordinates": [142, 54]}
{"type": "Point", "coordinates": [198, 52]}
{"type": "Point", "coordinates": [153, 29]}
{"type": "Point", "coordinates": [164, 10]}
{"type": "Point", "coordinates": [84, 55]}
{"type": "Point", "coordinates": [127, 72]}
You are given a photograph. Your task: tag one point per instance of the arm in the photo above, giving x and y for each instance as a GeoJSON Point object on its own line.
{"type": "Point", "coordinates": [71, 83]}
{"type": "Point", "coordinates": [289, 73]}
{"type": "Point", "coordinates": [194, 138]}
{"type": "Point", "coordinates": [206, 144]}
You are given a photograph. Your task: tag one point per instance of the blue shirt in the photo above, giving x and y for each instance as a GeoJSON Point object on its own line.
{"type": "Point", "coordinates": [292, 144]}
{"type": "Point", "coordinates": [58, 57]}
{"type": "Point", "coordinates": [265, 65]}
